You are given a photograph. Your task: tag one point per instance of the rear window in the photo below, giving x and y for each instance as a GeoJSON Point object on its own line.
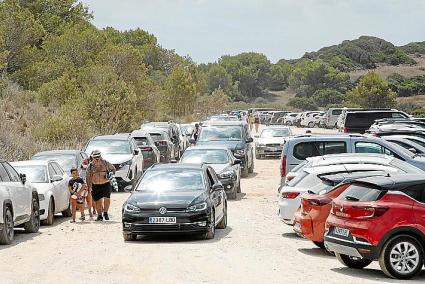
{"type": "Point", "coordinates": [336, 111]}
{"type": "Point", "coordinates": [312, 149]}
{"type": "Point", "coordinates": [361, 192]}
{"type": "Point", "coordinates": [156, 136]}
{"type": "Point", "coordinates": [141, 141]}
{"type": "Point", "coordinates": [366, 119]}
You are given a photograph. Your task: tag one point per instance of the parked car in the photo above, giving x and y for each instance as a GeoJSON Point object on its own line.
{"type": "Point", "coordinates": [146, 144]}
{"type": "Point", "coordinates": [164, 144]}
{"type": "Point", "coordinates": [276, 116]}
{"type": "Point", "coordinates": [290, 118]}
{"type": "Point", "coordinates": [320, 120]}
{"type": "Point", "coordinates": [315, 180]}
{"type": "Point", "coordinates": [122, 152]}
{"type": "Point", "coordinates": [221, 159]}
{"type": "Point", "coordinates": [358, 121]}
{"type": "Point", "coordinates": [19, 205]}
{"type": "Point", "coordinates": [396, 129]}
{"type": "Point", "coordinates": [184, 138]}
{"type": "Point", "coordinates": [380, 218]}
{"type": "Point", "coordinates": [309, 119]}
{"type": "Point", "coordinates": [176, 198]}
{"type": "Point", "coordinates": [332, 116]}
{"type": "Point", "coordinates": [270, 141]}
{"type": "Point", "coordinates": [223, 118]}
{"type": "Point", "coordinates": [51, 183]}
{"type": "Point", "coordinates": [189, 128]}
{"type": "Point", "coordinates": [172, 131]}
{"type": "Point", "coordinates": [67, 159]}
{"type": "Point", "coordinates": [234, 135]}
{"type": "Point", "coordinates": [297, 149]}
{"type": "Point", "coordinates": [407, 144]}
{"type": "Point", "coordinates": [416, 139]}
{"type": "Point", "coordinates": [310, 218]}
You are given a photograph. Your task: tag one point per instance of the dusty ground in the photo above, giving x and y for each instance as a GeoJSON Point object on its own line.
{"type": "Point", "coordinates": [255, 248]}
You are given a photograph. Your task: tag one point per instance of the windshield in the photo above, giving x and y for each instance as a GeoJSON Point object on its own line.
{"type": "Point", "coordinates": [35, 174]}
{"type": "Point", "coordinates": [205, 156]}
{"type": "Point", "coordinates": [141, 141]}
{"type": "Point", "coordinates": [66, 161]}
{"type": "Point", "coordinates": [156, 136]}
{"type": "Point", "coordinates": [109, 146]}
{"type": "Point", "coordinates": [280, 132]}
{"type": "Point", "coordinates": [171, 180]}
{"type": "Point", "coordinates": [220, 133]}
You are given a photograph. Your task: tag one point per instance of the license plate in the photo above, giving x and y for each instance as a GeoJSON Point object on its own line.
{"type": "Point", "coordinates": [162, 220]}
{"type": "Point", "coordinates": [297, 227]}
{"type": "Point", "coordinates": [341, 232]}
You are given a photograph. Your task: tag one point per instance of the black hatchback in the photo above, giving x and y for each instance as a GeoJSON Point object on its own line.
{"type": "Point", "coordinates": [175, 198]}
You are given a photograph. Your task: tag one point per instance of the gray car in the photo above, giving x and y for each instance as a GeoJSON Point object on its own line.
{"type": "Point", "coordinates": [67, 159]}
{"type": "Point", "coordinates": [270, 141]}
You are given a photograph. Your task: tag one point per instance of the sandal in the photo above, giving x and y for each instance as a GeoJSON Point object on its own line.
{"type": "Point", "coordinates": [72, 221]}
{"type": "Point", "coordinates": [83, 218]}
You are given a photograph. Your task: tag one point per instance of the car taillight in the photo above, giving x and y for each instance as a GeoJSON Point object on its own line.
{"type": "Point", "coordinates": [319, 201]}
{"type": "Point", "coordinates": [162, 143]}
{"type": "Point", "coordinates": [366, 212]}
{"type": "Point", "coordinates": [283, 167]}
{"type": "Point", "coordinates": [345, 130]}
{"type": "Point", "coordinates": [146, 149]}
{"type": "Point", "coordinates": [290, 195]}
{"type": "Point", "coordinates": [289, 178]}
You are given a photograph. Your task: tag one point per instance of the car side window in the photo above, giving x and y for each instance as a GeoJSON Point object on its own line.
{"type": "Point", "coordinates": [210, 177]}
{"type": "Point", "coordinates": [51, 171]}
{"type": "Point", "coordinates": [368, 147]}
{"type": "Point", "coordinates": [305, 150]}
{"type": "Point", "coordinates": [333, 147]}
{"type": "Point", "coordinates": [57, 169]}
{"type": "Point", "coordinates": [3, 174]}
{"type": "Point", "coordinates": [13, 174]}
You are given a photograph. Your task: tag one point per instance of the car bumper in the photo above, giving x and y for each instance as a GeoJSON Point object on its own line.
{"type": "Point", "coordinates": [123, 173]}
{"type": "Point", "coordinates": [350, 246]}
{"type": "Point", "coordinates": [44, 208]}
{"type": "Point", "coordinates": [269, 151]}
{"type": "Point", "coordinates": [287, 209]}
{"type": "Point", "coordinates": [185, 223]}
{"type": "Point", "coordinates": [303, 225]}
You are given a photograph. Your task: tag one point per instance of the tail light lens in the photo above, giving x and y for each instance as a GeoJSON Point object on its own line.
{"type": "Point", "coordinates": [283, 167]}
{"type": "Point", "coordinates": [290, 195]}
{"type": "Point", "coordinates": [162, 143]}
{"type": "Point", "coordinates": [289, 178]}
{"type": "Point", "coordinates": [367, 212]}
{"type": "Point", "coordinates": [345, 130]}
{"type": "Point", "coordinates": [146, 149]}
{"type": "Point", "coordinates": [319, 201]}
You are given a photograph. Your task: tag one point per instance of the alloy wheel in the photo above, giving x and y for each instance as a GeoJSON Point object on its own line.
{"type": "Point", "coordinates": [404, 258]}
{"type": "Point", "coordinates": [9, 226]}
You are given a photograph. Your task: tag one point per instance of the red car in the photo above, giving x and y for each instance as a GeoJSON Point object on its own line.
{"type": "Point", "coordinates": [380, 218]}
{"type": "Point", "coordinates": [309, 220]}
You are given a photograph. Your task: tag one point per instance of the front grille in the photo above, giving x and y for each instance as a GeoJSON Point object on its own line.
{"type": "Point", "coordinates": [273, 145]}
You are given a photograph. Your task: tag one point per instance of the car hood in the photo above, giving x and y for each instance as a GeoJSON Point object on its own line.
{"type": "Point", "coordinates": [218, 168]}
{"type": "Point", "coordinates": [42, 188]}
{"type": "Point", "coordinates": [271, 140]}
{"type": "Point", "coordinates": [170, 199]}
{"type": "Point", "coordinates": [231, 145]}
{"type": "Point", "coordinates": [117, 158]}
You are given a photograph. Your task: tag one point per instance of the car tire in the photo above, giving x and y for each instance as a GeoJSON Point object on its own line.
{"type": "Point", "coordinates": [50, 214]}
{"type": "Point", "coordinates": [238, 188]}
{"type": "Point", "coordinates": [7, 233]}
{"type": "Point", "coordinates": [319, 244]}
{"type": "Point", "coordinates": [67, 212]}
{"type": "Point", "coordinates": [245, 172]}
{"type": "Point", "coordinates": [223, 221]}
{"type": "Point", "coordinates": [353, 262]}
{"type": "Point", "coordinates": [257, 156]}
{"type": "Point", "coordinates": [33, 224]}
{"type": "Point", "coordinates": [251, 168]}
{"type": "Point", "coordinates": [129, 237]}
{"type": "Point", "coordinates": [209, 235]}
{"type": "Point", "coordinates": [232, 195]}
{"type": "Point", "coordinates": [400, 246]}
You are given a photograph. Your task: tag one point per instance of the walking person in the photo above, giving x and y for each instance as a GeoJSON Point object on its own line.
{"type": "Point", "coordinates": [195, 132]}
{"type": "Point", "coordinates": [257, 123]}
{"type": "Point", "coordinates": [99, 184]}
{"type": "Point", "coordinates": [250, 121]}
{"type": "Point", "coordinates": [76, 187]}
{"type": "Point", "coordinates": [87, 194]}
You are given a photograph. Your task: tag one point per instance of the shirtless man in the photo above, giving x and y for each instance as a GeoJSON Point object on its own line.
{"type": "Point", "coordinates": [99, 184]}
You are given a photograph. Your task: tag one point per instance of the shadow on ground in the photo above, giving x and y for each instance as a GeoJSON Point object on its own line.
{"type": "Point", "coordinates": [375, 274]}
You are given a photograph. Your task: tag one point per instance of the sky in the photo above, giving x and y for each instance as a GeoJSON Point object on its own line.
{"type": "Point", "coordinates": [207, 29]}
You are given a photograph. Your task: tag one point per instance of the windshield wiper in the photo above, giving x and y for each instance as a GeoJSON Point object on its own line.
{"type": "Point", "coordinates": [350, 198]}
{"type": "Point", "coordinates": [310, 192]}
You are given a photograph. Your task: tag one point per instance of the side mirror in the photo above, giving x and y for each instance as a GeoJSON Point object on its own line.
{"type": "Point", "coordinates": [249, 140]}
{"type": "Point", "coordinates": [56, 178]}
{"type": "Point", "coordinates": [192, 141]}
{"type": "Point", "coordinates": [257, 136]}
{"type": "Point", "coordinates": [413, 150]}
{"type": "Point", "coordinates": [237, 162]}
{"type": "Point", "coordinates": [23, 178]}
{"type": "Point", "coordinates": [136, 151]}
{"type": "Point", "coordinates": [217, 187]}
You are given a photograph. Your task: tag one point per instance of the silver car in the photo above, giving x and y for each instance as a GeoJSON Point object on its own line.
{"type": "Point", "coordinates": [270, 141]}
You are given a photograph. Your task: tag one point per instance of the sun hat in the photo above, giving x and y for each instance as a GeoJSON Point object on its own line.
{"type": "Point", "coordinates": [95, 154]}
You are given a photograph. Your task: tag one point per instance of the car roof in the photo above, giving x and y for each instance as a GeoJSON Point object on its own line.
{"type": "Point", "coordinates": [223, 123]}
{"type": "Point", "coordinates": [393, 181]}
{"type": "Point", "coordinates": [119, 136]}
{"type": "Point", "coordinates": [206, 147]}
{"type": "Point", "coordinates": [30, 163]}
{"type": "Point", "coordinates": [176, 166]}
{"type": "Point", "coordinates": [353, 158]}
{"type": "Point", "coordinates": [310, 137]}
{"type": "Point", "coordinates": [139, 133]}
{"type": "Point", "coordinates": [156, 130]}
{"type": "Point", "coordinates": [339, 177]}
{"type": "Point", "coordinates": [56, 152]}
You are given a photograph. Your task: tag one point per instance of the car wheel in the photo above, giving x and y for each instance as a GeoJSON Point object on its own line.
{"type": "Point", "coordinates": [67, 212]}
{"type": "Point", "coordinates": [251, 168]}
{"type": "Point", "coordinates": [129, 237]}
{"type": "Point", "coordinates": [223, 221]}
{"type": "Point", "coordinates": [7, 233]}
{"type": "Point", "coordinates": [238, 189]}
{"type": "Point", "coordinates": [319, 244]}
{"type": "Point", "coordinates": [232, 195]}
{"type": "Point", "coordinates": [311, 124]}
{"type": "Point", "coordinates": [257, 156]}
{"type": "Point", "coordinates": [33, 224]}
{"type": "Point", "coordinates": [211, 230]}
{"type": "Point", "coordinates": [245, 172]}
{"type": "Point", "coordinates": [401, 257]}
{"type": "Point", "coordinates": [353, 262]}
{"type": "Point", "coordinates": [50, 214]}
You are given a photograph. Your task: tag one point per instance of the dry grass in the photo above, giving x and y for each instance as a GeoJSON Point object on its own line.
{"type": "Point", "coordinates": [385, 70]}
{"type": "Point", "coordinates": [417, 100]}
{"type": "Point", "coordinates": [281, 97]}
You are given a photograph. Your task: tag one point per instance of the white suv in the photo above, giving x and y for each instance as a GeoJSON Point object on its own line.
{"type": "Point", "coordinates": [18, 204]}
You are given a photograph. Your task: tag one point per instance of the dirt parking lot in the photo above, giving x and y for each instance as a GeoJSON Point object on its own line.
{"type": "Point", "coordinates": [256, 247]}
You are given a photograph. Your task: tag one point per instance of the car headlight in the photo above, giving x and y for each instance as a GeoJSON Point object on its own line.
{"type": "Point", "coordinates": [197, 207]}
{"type": "Point", "coordinates": [41, 197]}
{"type": "Point", "coordinates": [128, 163]}
{"type": "Point", "coordinates": [240, 152]}
{"type": "Point", "coordinates": [226, 174]}
{"type": "Point", "coordinates": [131, 208]}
